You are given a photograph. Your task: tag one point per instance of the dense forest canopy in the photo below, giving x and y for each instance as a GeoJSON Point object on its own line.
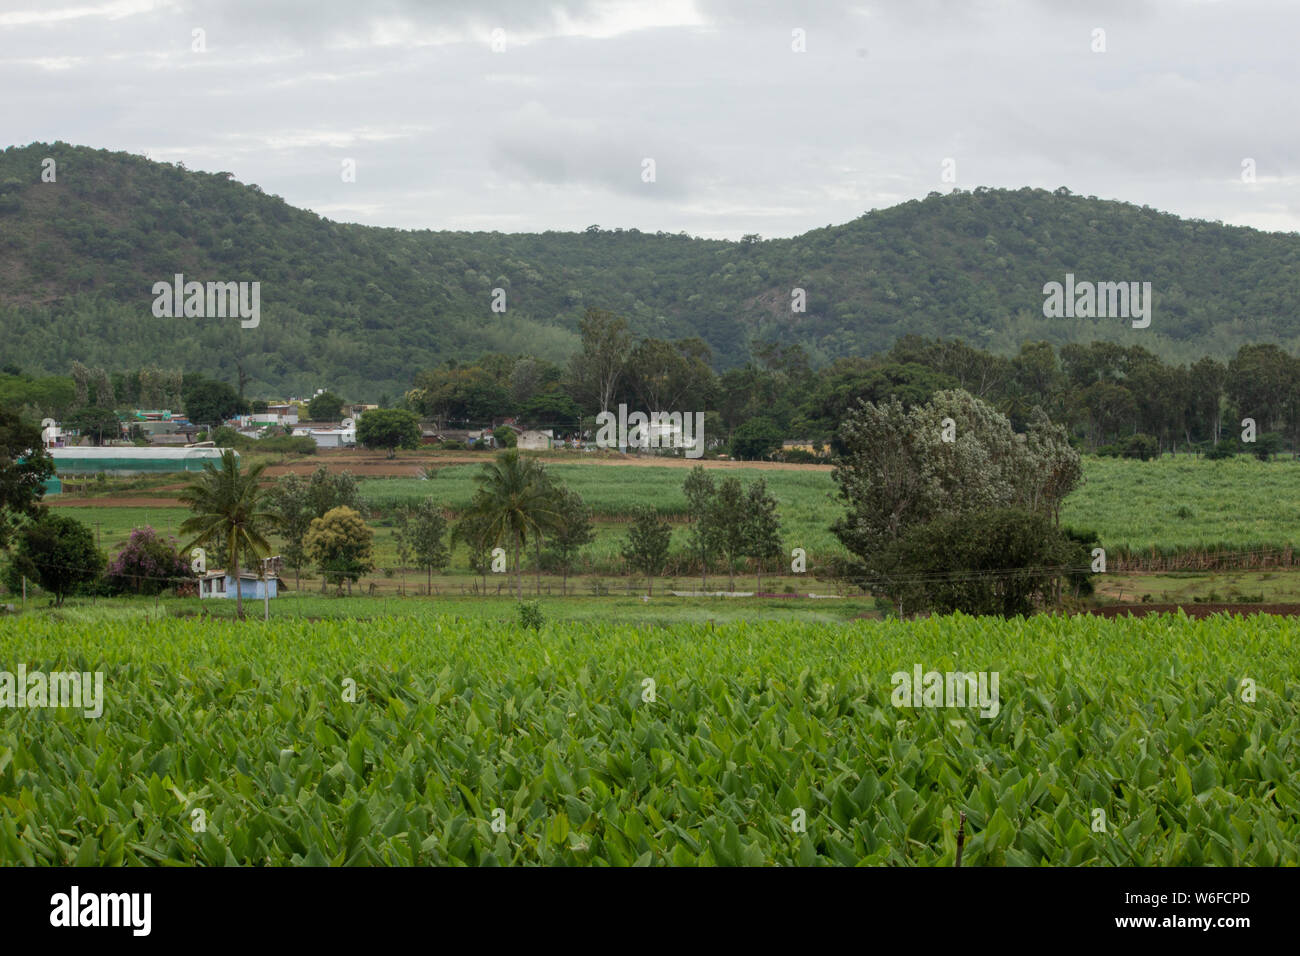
{"type": "Point", "coordinates": [361, 309]}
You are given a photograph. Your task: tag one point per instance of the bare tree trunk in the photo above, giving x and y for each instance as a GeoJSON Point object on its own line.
{"type": "Point", "coordinates": [239, 592]}
{"type": "Point", "coordinates": [519, 571]}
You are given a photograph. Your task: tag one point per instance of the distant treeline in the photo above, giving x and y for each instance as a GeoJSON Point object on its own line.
{"type": "Point", "coordinates": [1112, 399]}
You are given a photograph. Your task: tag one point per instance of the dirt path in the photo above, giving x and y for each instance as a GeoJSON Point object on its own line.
{"type": "Point", "coordinates": [367, 465]}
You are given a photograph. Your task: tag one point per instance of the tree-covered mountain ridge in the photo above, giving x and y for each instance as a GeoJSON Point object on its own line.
{"type": "Point", "coordinates": [361, 308]}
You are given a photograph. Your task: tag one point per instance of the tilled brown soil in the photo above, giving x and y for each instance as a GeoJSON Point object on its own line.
{"type": "Point", "coordinates": [111, 501]}
{"type": "Point", "coordinates": [370, 465]}
{"type": "Point", "coordinates": [1195, 610]}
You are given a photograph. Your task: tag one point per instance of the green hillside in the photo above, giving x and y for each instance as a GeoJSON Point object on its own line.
{"type": "Point", "coordinates": [363, 308]}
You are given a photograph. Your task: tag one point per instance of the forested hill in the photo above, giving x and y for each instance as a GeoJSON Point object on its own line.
{"type": "Point", "coordinates": [362, 308]}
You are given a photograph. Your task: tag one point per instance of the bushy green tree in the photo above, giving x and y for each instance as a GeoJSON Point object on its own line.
{"type": "Point", "coordinates": [999, 561]}
{"type": "Point", "coordinates": [756, 439]}
{"type": "Point", "coordinates": [58, 553]}
{"type": "Point", "coordinates": [699, 489]}
{"type": "Point", "coordinates": [25, 466]}
{"type": "Point", "coordinates": [390, 428]}
{"type": "Point", "coordinates": [208, 402]}
{"type": "Point", "coordinates": [762, 527]}
{"type": "Point", "coordinates": [727, 519]}
{"type": "Point", "coordinates": [572, 530]}
{"type": "Point", "coordinates": [325, 407]}
{"type": "Point", "coordinates": [476, 532]}
{"type": "Point", "coordinates": [98, 424]}
{"type": "Point", "coordinates": [953, 456]}
{"type": "Point", "coordinates": [341, 545]}
{"type": "Point", "coordinates": [422, 532]}
{"type": "Point", "coordinates": [646, 547]}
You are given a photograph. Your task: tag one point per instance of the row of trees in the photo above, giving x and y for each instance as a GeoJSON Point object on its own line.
{"type": "Point", "coordinates": [1111, 398]}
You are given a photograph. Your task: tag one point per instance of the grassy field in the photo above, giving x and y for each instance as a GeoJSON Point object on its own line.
{"type": "Point", "coordinates": [1182, 505]}
{"type": "Point", "coordinates": [806, 498]}
{"type": "Point", "coordinates": [1175, 501]}
{"type": "Point", "coordinates": [599, 743]}
{"type": "Point", "coordinates": [1188, 502]}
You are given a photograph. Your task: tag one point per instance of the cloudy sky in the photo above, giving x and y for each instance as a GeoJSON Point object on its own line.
{"type": "Point", "coordinates": [527, 115]}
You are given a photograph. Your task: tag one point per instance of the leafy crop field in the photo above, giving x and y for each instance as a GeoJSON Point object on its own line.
{"type": "Point", "coordinates": [806, 497]}
{"type": "Point", "coordinates": [1176, 501]}
{"type": "Point", "coordinates": [1189, 502]}
{"type": "Point", "coordinates": [555, 736]}
{"type": "Point", "coordinates": [1173, 504]}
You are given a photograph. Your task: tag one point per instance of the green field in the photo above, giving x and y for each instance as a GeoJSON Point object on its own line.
{"type": "Point", "coordinates": [1188, 502]}
{"type": "Point", "coordinates": [806, 498]}
{"type": "Point", "coordinates": [1175, 501]}
{"type": "Point", "coordinates": [1171, 505]}
{"type": "Point", "coordinates": [752, 727]}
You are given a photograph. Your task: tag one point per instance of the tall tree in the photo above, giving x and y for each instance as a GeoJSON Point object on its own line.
{"type": "Point", "coordinates": [476, 532]}
{"type": "Point", "coordinates": [646, 547]}
{"type": "Point", "coordinates": [763, 526]}
{"type": "Point", "coordinates": [229, 507]}
{"type": "Point", "coordinates": [901, 469]}
{"type": "Point", "coordinates": [514, 500]}
{"type": "Point", "coordinates": [600, 363]}
{"type": "Point", "coordinates": [208, 402]}
{"type": "Point", "coordinates": [573, 530]}
{"type": "Point", "coordinates": [699, 490]}
{"type": "Point", "coordinates": [389, 428]}
{"type": "Point", "coordinates": [97, 424]}
{"type": "Point", "coordinates": [422, 529]}
{"type": "Point", "coordinates": [296, 501]}
{"type": "Point", "coordinates": [728, 518]}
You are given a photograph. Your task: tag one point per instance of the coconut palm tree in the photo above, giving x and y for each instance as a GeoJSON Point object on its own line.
{"type": "Point", "coordinates": [229, 513]}
{"type": "Point", "coordinates": [514, 499]}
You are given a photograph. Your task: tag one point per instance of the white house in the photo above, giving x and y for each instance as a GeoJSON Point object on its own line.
{"type": "Point", "coordinates": [330, 436]}
{"type": "Point", "coordinates": [51, 433]}
{"type": "Point", "coordinates": [535, 440]}
{"type": "Point", "coordinates": [219, 584]}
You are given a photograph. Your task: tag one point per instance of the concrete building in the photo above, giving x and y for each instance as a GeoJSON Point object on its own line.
{"type": "Point", "coordinates": [219, 584]}
{"type": "Point", "coordinates": [330, 434]}
{"type": "Point", "coordinates": [535, 440]}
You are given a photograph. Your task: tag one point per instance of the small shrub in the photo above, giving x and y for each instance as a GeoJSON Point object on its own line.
{"type": "Point", "coordinates": [530, 615]}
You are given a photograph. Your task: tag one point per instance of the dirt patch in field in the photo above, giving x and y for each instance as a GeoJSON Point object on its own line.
{"type": "Point", "coordinates": [1194, 610]}
{"type": "Point", "coordinates": [111, 501]}
{"type": "Point", "coordinates": [366, 465]}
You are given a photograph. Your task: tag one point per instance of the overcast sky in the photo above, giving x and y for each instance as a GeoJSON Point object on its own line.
{"type": "Point", "coordinates": [746, 134]}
